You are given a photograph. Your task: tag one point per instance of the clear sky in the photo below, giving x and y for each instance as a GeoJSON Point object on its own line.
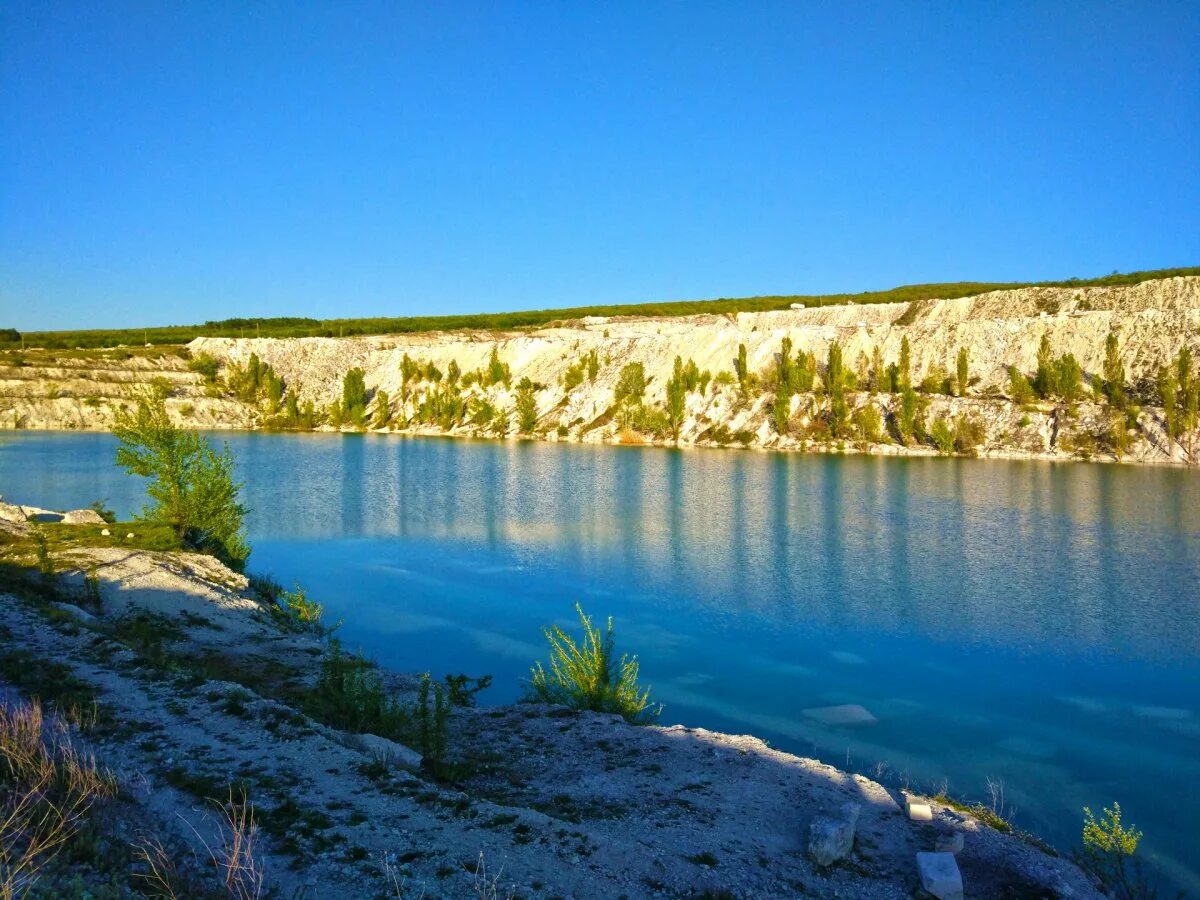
{"type": "Point", "coordinates": [169, 163]}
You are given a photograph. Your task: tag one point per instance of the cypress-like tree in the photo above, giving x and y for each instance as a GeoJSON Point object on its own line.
{"type": "Point", "coordinates": [1114, 372]}
{"type": "Point", "coordinates": [963, 371]}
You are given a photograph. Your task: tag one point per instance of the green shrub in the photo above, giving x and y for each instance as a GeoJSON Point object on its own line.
{"type": "Point", "coordinates": [297, 612]}
{"type": "Point", "coordinates": [942, 435]}
{"type": "Point", "coordinates": [867, 424]}
{"type": "Point", "coordinates": [349, 695]}
{"type": "Point", "coordinates": [205, 365]}
{"type": "Point", "coordinates": [587, 675]}
{"type": "Point", "coordinates": [1108, 855]}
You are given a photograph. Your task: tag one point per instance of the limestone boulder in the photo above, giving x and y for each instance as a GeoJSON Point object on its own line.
{"type": "Point", "coordinates": [831, 838]}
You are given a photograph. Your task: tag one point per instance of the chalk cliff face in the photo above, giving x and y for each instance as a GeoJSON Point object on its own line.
{"type": "Point", "coordinates": [1152, 321]}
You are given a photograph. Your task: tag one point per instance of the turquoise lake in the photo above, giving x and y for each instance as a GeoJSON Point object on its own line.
{"type": "Point", "coordinates": [1030, 622]}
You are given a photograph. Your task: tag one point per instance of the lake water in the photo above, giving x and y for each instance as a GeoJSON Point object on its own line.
{"type": "Point", "coordinates": [1031, 622]}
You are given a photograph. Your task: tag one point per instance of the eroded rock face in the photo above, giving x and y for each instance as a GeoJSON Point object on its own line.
{"type": "Point", "coordinates": [1152, 321]}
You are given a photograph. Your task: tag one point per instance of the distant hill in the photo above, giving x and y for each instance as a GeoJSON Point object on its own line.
{"type": "Point", "coordinates": [305, 327]}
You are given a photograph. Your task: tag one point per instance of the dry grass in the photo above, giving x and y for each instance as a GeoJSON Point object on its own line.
{"type": "Point", "coordinates": [47, 786]}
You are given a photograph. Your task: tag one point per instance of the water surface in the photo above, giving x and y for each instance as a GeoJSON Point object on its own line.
{"type": "Point", "coordinates": [1025, 621]}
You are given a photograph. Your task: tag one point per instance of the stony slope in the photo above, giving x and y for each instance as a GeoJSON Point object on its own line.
{"type": "Point", "coordinates": [1152, 320]}
{"type": "Point", "coordinates": [203, 693]}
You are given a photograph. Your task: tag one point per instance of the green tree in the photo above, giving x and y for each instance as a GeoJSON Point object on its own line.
{"type": "Point", "coordinates": [906, 415]}
{"type": "Point", "coordinates": [383, 410]}
{"type": "Point", "coordinates": [1045, 381]}
{"type": "Point", "coordinates": [631, 383]}
{"type": "Point", "coordinates": [497, 372]}
{"type": "Point", "coordinates": [1189, 390]}
{"type": "Point", "coordinates": [964, 371]}
{"type": "Point", "coordinates": [1168, 391]}
{"type": "Point", "coordinates": [878, 380]}
{"type": "Point", "coordinates": [904, 372]}
{"type": "Point", "coordinates": [191, 486]}
{"type": "Point", "coordinates": [676, 400]}
{"type": "Point", "coordinates": [835, 384]}
{"type": "Point", "coordinates": [1114, 372]}
{"type": "Point", "coordinates": [526, 404]}
{"type": "Point", "coordinates": [1019, 388]}
{"type": "Point", "coordinates": [785, 368]}
{"type": "Point", "coordinates": [593, 366]}
{"type": "Point", "coordinates": [354, 397]}
{"type": "Point", "coordinates": [1068, 377]}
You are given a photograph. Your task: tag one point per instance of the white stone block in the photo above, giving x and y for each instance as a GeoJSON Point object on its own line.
{"type": "Point", "coordinates": [940, 876]}
{"type": "Point", "coordinates": [917, 812]}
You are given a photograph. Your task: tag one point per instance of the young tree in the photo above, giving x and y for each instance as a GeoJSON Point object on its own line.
{"type": "Point", "coordinates": [383, 409]}
{"type": "Point", "coordinates": [742, 366]}
{"type": "Point", "coordinates": [1068, 377]}
{"type": "Point", "coordinates": [1114, 372]}
{"type": "Point", "coordinates": [1045, 381]}
{"type": "Point", "coordinates": [963, 371]}
{"type": "Point", "coordinates": [879, 376]}
{"type": "Point", "coordinates": [676, 400]}
{"type": "Point", "coordinates": [785, 368]}
{"type": "Point", "coordinates": [593, 366]}
{"type": "Point", "coordinates": [835, 384]}
{"type": "Point", "coordinates": [191, 486]}
{"type": "Point", "coordinates": [904, 372]}
{"type": "Point", "coordinates": [631, 383]}
{"type": "Point", "coordinates": [1168, 390]}
{"type": "Point", "coordinates": [526, 407]}
{"type": "Point", "coordinates": [354, 397]}
{"type": "Point", "coordinates": [1189, 390]}
{"type": "Point", "coordinates": [497, 372]}
{"type": "Point", "coordinates": [1019, 388]}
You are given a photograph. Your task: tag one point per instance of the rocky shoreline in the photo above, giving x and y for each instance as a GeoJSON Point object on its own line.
{"type": "Point", "coordinates": [198, 688]}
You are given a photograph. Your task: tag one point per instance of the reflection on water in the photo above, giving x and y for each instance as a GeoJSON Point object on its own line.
{"type": "Point", "coordinates": [1031, 621]}
{"type": "Point", "coordinates": [979, 551]}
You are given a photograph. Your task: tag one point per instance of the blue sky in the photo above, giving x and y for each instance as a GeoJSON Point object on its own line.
{"type": "Point", "coordinates": [175, 162]}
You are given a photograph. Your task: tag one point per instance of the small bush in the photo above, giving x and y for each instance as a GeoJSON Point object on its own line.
{"type": "Point", "coordinates": [350, 695]}
{"type": "Point", "coordinates": [588, 675]}
{"type": "Point", "coordinates": [1108, 854]}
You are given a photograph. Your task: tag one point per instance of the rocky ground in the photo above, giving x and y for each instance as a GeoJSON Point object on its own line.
{"type": "Point", "coordinates": [1152, 320]}
{"type": "Point", "coordinates": [196, 686]}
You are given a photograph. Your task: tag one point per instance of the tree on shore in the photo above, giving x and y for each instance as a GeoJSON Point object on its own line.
{"type": "Point", "coordinates": [191, 487]}
{"type": "Point", "coordinates": [1114, 372]}
{"type": "Point", "coordinates": [964, 371]}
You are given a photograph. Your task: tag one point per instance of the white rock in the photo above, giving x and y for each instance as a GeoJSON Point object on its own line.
{"type": "Point", "coordinates": [940, 876]}
{"type": "Point", "coordinates": [83, 517]}
{"type": "Point", "coordinates": [832, 838]}
{"type": "Point", "coordinates": [130, 535]}
{"type": "Point", "coordinates": [918, 812]}
{"type": "Point", "coordinates": [949, 842]}
{"type": "Point", "coordinates": [105, 532]}
{"type": "Point", "coordinates": [388, 752]}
